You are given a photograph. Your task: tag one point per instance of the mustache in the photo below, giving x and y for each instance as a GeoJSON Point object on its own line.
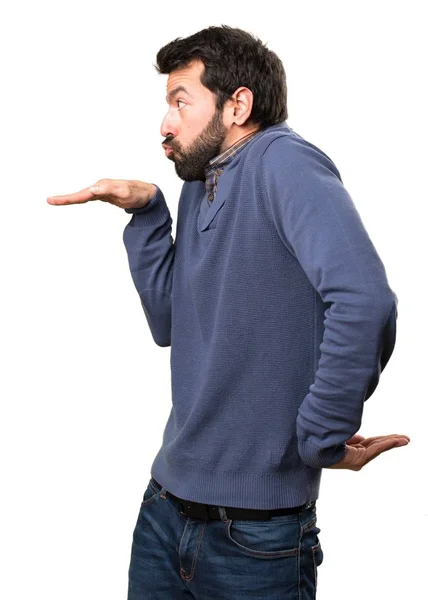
{"type": "Point", "coordinates": [168, 140]}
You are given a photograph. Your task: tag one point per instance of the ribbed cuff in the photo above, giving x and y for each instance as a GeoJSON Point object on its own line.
{"type": "Point", "coordinates": [152, 213]}
{"type": "Point", "coordinates": [320, 458]}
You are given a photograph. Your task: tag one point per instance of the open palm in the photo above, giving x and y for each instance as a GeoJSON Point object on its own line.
{"type": "Point", "coordinates": [361, 450]}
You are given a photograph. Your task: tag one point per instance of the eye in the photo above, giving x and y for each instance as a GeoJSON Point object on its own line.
{"type": "Point", "coordinates": [180, 102]}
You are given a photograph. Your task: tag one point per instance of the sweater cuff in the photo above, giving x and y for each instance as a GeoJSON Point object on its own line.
{"type": "Point", "coordinates": [152, 213]}
{"type": "Point", "coordinates": [320, 458]}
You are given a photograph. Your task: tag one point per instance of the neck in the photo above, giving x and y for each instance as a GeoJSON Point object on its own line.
{"type": "Point", "coordinates": [233, 138]}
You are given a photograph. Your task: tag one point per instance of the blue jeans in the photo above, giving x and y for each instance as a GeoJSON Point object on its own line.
{"type": "Point", "coordinates": [175, 557]}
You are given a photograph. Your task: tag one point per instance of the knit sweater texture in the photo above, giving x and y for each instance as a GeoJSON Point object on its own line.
{"type": "Point", "coordinates": [279, 317]}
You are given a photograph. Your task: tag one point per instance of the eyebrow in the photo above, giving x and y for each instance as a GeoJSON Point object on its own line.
{"type": "Point", "coordinates": [175, 91]}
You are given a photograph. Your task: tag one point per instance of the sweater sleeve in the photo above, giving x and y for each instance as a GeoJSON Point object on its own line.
{"type": "Point", "coordinates": [319, 224]}
{"type": "Point", "coordinates": [150, 248]}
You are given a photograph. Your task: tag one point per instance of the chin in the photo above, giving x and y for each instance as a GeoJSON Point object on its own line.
{"type": "Point", "coordinates": [187, 173]}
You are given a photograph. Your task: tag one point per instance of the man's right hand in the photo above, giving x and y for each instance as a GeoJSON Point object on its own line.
{"type": "Point", "coordinates": [120, 192]}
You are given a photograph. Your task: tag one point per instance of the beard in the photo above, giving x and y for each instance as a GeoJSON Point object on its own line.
{"type": "Point", "coordinates": [190, 164]}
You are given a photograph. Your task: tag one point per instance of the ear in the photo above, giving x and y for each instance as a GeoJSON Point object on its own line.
{"type": "Point", "coordinates": [239, 106]}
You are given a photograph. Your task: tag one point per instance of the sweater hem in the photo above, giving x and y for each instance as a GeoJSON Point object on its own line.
{"type": "Point", "coordinates": [263, 491]}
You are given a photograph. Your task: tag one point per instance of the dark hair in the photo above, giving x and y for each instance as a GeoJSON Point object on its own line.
{"type": "Point", "coordinates": [232, 58]}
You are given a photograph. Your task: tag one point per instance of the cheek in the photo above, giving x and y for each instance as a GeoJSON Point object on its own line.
{"type": "Point", "coordinates": [189, 133]}
{"type": "Point", "coordinates": [192, 123]}
{"type": "Point", "coordinates": [193, 126]}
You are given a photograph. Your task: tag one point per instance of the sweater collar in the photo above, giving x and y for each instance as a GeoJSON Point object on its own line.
{"type": "Point", "coordinates": [215, 167]}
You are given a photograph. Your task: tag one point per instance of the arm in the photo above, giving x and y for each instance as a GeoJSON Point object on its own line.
{"type": "Point", "coordinates": [319, 224]}
{"type": "Point", "coordinates": [150, 248]}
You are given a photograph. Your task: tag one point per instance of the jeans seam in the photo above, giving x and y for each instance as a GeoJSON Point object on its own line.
{"type": "Point", "coordinates": [314, 549]}
{"type": "Point", "coordinates": [195, 557]}
{"type": "Point", "coordinates": [298, 560]}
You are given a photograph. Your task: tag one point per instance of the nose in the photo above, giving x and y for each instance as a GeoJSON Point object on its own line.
{"type": "Point", "coordinates": [169, 124]}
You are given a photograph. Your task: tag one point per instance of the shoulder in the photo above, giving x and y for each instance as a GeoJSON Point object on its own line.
{"type": "Point", "coordinates": [281, 149]}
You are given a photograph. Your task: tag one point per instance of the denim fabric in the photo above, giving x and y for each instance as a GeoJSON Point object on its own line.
{"type": "Point", "coordinates": [177, 557]}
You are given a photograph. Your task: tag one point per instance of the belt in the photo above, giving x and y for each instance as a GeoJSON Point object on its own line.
{"type": "Point", "coordinates": [196, 510]}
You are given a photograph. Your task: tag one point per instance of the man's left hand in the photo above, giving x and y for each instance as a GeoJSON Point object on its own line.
{"type": "Point", "coordinates": [360, 450]}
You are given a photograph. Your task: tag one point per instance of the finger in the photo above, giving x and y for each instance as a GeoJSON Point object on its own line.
{"type": "Point", "coordinates": [373, 440]}
{"type": "Point", "coordinates": [370, 441]}
{"type": "Point", "coordinates": [383, 446]}
{"type": "Point", "coordinates": [78, 198]}
{"type": "Point", "coordinates": [399, 438]}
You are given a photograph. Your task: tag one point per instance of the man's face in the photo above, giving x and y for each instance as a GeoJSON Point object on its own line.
{"type": "Point", "coordinates": [194, 131]}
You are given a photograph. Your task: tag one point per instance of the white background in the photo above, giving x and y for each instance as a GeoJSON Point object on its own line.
{"type": "Point", "coordinates": [85, 391]}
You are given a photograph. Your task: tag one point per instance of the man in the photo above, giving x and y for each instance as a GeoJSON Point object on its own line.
{"type": "Point", "coordinates": [280, 320]}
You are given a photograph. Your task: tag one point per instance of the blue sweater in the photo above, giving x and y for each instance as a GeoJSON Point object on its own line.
{"type": "Point", "coordinates": [280, 319]}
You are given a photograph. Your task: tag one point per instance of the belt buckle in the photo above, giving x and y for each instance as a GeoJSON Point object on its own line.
{"type": "Point", "coordinates": [194, 510]}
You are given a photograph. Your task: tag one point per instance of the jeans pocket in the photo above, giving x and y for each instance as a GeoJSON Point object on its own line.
{"type": "Point", "coordinates": [265, 539]}
{"type": "Point", "coordinates": [151, 493]}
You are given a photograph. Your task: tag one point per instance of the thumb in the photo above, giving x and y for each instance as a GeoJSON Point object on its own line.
{"type": "Point", "coordinates": [355, 439]}
{"type": "Point", "coordinates": [102, 187]}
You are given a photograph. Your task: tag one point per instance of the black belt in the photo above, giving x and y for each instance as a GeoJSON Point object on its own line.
{"type": "Point", "coordinates": [196, 510]}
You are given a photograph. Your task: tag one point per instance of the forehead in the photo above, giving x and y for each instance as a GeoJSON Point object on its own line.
{"type": "Point", "coordinates": [190, 78]}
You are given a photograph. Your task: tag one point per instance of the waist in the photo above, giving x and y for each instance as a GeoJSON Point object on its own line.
{"type": "Point", "coordinates": [197, 510]}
